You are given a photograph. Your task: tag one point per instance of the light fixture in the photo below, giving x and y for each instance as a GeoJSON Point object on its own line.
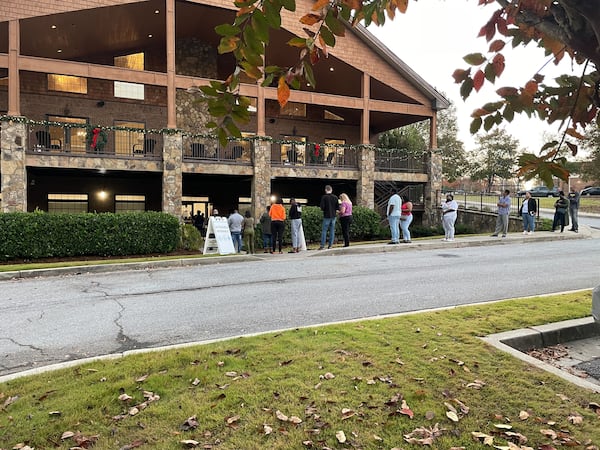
{"type": "Point", "coordinates": [53, 27]}
{"type": "Point", "coordinates": [149, 35]}
{"type": "Point", "coordinates": [102, 195]}
{"type": "Point", "coordinates": [59, 51]}
{"type": "Point", "coordinates": [331, 69]}
{"type": "Point", "coordinates": [273, 198]}
{"type": "Point", "coordinates": [156, 11]}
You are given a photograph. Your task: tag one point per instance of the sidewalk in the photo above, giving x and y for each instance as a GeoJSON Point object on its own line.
{"type": "Point", "coordinates": [585, 232]}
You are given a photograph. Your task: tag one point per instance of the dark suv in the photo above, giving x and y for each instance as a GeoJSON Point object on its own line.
{"type": "Point", "coordinates": [590, 191]}
{"type": "Point", "coordinates": [540, 191]}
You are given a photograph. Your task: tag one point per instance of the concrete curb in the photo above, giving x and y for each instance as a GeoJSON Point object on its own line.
{"type": "Point", "coordinates": [516, 342]}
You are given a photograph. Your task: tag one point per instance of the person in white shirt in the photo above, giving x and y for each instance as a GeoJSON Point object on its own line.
{"type": "Point", "coordinates": [394, 209]}
{"type": "Point", "coordinates": [449, 208]}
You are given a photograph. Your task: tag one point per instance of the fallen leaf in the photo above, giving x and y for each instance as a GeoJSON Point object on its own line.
{"type": "Point", "coordinates": [341, 436]}
{"type": "Point", "coordinates": [452, 416]}
{"type": "Point", "coordinates": [231, 374]}
{"type": "Point", "coordinates": [196, 382]}
{"type": "Point", "coordinates": [503, 426]}
{"type": "Point", "coordinates": [232, 420]}
{"type": "Point", "coordinates": [347, 413]}
{"type": "Point", "coordinates": [190, 443]}
{"type": "Point", "coordinates": [549, 433]}
{"type": "Point", "coordinates": [67, 435]}
{"type": "Point", "coordinates": [575, 419]}
{"type": "Point", "coordinates": [141, 379]}
{"type": "Point", "coordinates": [267, 429]}
{"type": "Point", "coordinates": [281, 416]}
{"type": "Point", "coordinates": [125, 397]}
{"type": "Point", "coordinates": [329, 376]}
{"type": "Point", "coordinates": [135, 444]}
{"type": "Point", "coordinates": [295, 420]}
{"type": "Point", "coordinates": [133, 411]}
{"type": "Point", "coordinates": [54, 413]}
{"type": "Point", "coordinates": [523, 415]}
{"type": "Point", "coordinates": [191, 423]}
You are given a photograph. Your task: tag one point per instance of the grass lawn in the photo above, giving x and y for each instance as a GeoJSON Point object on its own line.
{"type": "Point", "coordinates": [394, 383]}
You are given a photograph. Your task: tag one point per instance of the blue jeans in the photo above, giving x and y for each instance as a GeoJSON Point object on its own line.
{"type": "Point", "coordinates": [237, 240]}
{"type": "Point", "coordinates": [528, 222]}
{"type": "Point", "coordinates": [395, 227]}
{"type": "Point", "coordinates": [267, 242]}
{"type": "Point", "coordinates": [328, 224]}
{"type": "Point", "coordinates": [405, 222]}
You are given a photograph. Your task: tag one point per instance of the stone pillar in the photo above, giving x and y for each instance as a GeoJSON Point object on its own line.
{"type": "Point", "coordinates": [365, 187]}
{"type": "Point", "coordinates": [172, 189]}
{"type": "Point", "coordinates": [13, 143]}
{"type": "Point", "coordinates": [433, 186]}
{"type": "Point", "coordinates": [261, 182]}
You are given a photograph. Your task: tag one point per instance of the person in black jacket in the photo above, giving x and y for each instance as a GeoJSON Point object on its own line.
{"type": "Point", "coordinates": [528, 210]}
{"type": "Point", "coordinates": [329, 206]}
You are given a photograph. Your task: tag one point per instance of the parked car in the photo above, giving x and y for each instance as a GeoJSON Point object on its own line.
{"type": "Point", "coordinates": [595, 190]}
{"type": "Point", "coordinates": [540, 191]}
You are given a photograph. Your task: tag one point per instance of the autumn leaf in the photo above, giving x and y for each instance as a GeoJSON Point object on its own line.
{"type": "Point", "coordinates": [319, 4]}
{"type": "Point", "coordinates": [283, 92]}
{"type": "Point", "coordinates": [523, 415]}
{"type": "Point", "coordinates": [190, 443]}
{"type": "Point", "coordinates": [452, 416]}
{"type": "Point", "coordinates": [341, 436]}
{"type": "Point", "coordinates": [191, 423]}
{"type": "Point", "coordinates": [474, 59]}
{"type": "Point", "coordinates": [575, 419]}
{"type": "Point", "coordinates": [497, 45]}
{"type": "Point", "coordinates": [461, 75]}
{"type": "Point", "coordinates": [281, 416]}
{"type": "Point", "coordinates": [311, 19]}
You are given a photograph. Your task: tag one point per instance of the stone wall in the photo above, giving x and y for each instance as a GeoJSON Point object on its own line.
{"type": "Point", "coordinates": [194, 58]}
{"type": "Point", "coordinates": [482, 222]}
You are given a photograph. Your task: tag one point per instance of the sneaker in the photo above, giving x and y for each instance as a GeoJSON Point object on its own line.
{"type": "Point", "coordinates": [524, 232]}
{"type": "Point", "coordinates": [444, 240]}
{"type": "Point", "coordinates": [320, 248]}
{"type": "Point", "coordinates": [328, 247]}
{"type": "Point", "coordinates": [503, 235]}
{"type": "Point", "coordinates": [530, 232]}
{"type": "Point", "coordinates": [392, 242]}
{"type": "Point", "coordinates": [450, 240]}
{"type": "Point", "coordinates": [494, 235]}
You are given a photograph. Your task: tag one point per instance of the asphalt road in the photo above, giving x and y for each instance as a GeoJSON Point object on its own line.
{"type": "Point", "coordinates": [54, 319]}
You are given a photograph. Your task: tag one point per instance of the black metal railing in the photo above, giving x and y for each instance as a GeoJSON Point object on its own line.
{"type": "Point", "coordinates": [80, 139]}
{"type": "Point", "coordinates": [398, 160]}
{"type": "Point", "coordinates": [203, 148]}
{"type": "Point", "coordinates": [287, 153]}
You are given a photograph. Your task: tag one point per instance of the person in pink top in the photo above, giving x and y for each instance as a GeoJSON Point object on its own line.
{"type": "Point", "coordinates": [406, 218]}
{"type": "Point", "coordinates": [345, 212]}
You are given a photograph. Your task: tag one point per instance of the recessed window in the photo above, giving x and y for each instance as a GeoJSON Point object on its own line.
{"type": "Point", "coordinates": [4, 81]}
{"type": "Point", "coordinates": [134, 61]}
{"type": "Point", "coordinates": [67, 83]}
{"type": "Point", "coordinates": [133, 91]}
{"type": "Point", "coordinates": [130, 203]}
{"type": "Point", "coordinates": [294, 109]}
{"type": "Point", "coordinates": [67, 203]}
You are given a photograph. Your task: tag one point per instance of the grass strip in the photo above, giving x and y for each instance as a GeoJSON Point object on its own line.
{"type": "Point", "coordinates": [404, 382]}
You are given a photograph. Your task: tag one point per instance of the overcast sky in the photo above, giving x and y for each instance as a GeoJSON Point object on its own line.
{"type": "Point", "coordinates": [432, 38]}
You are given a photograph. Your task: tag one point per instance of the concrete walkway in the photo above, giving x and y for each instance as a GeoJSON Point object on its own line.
{"type": "Point", "coordinates": [585, 232]}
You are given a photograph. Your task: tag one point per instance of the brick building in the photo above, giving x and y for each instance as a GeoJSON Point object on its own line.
{"type": "Point", "coordinates": [125, 69]}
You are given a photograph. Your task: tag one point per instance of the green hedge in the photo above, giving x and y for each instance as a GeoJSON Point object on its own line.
{"type": "Point", "coordinates": [42, 235]}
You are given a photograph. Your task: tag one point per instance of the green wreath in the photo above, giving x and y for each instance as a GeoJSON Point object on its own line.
{"type": "Point", "coordinates": [96, 138]}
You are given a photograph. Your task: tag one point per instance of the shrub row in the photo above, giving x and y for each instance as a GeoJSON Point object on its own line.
{"type": "Point", "coordinates": [42, 235]}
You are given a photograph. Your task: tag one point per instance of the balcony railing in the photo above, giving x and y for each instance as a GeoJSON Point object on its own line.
{"type": "Point", "coordinates": [68, 139]}
{"type": "Point", "coordinates": [208, 149]}
{"type": "Point", "coordinates": [398, 160]}
{"type": "Point", "coordinates": [314, 155]}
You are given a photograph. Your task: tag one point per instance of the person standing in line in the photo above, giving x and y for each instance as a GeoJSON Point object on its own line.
{"type": "Point", "coordinates": [277, 214]}
{"type": "Point", "coordinates": [295, 224]}
{"type": "Point", "coordinates": [449, 214]}
{"type": "Point", "coordinates": [329, 206]}
{"type": "Point", "coordinates": [345, 212]}
{"type": "Point", "coordinates": [561, 210]}
{"type": "Point", "coordinates": [527, 212]}
{"type": "Point", "coordinates": [394, 210]}
{"type": "Point", "coordinates": [265, 224]}
{"type": "Point", "coordinates": [573, 198]}
{"type": "Point", "coordinates": [406, 218]}
{"type": "Point", "coordinates": [249, 232]}
{"type": "Point", "coordinates": [235, 222]}
{"type": "Point", "coordinates": [503, 212]}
